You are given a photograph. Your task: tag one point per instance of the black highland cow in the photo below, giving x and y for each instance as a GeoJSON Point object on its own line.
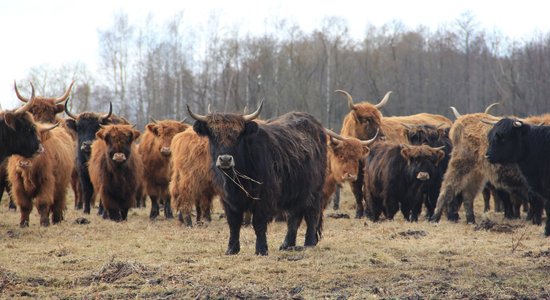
{"type": "Point", "coordinates": [513, 142]}
{"type": "Point", "coordinates": [278, 165]}
{"type": "Point", "coordinates": [398, 175]}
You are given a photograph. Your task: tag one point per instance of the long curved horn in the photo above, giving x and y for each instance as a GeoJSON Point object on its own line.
{"type": "Point", "coordinates": [108, 115]}
{"type": "Point", "coordinates": [335, 135]}
{"type": "Point", "coordinates": [23, 99]}
{"type": "Point", "coordinates": [439, 148]}
{"type": "Point", "coordinates": [350, 99]}
{"type": "Point", "coordinates": [408, 126]}
{"type": "Point", "coordinates": [68, 112]}
{"type": "Point", "coordinates": [44, 129]}
{"type": "Point", "coordinates": [209, 109]}
{"type": "Point", "coordinates": [153, 120]}
{"type": "Point", "coordinates": [196, 116]}
{"type": "Point", "coordinates": [488, 122]}
{"type": "Point", "coordinates": [441, 125]}
{"type": "Point", "coordinates": [490, 106]}
{"type": "Point", "coordinates": [65, 95]}
{"type": "Point", "coordinates": [455, 112]}
{"type": "Point", "coordinates": [255, 114]}
{"type": "Point", "coordinates": [368, 142]}
{"type": "Point", "coordinates": [384, 100]}
{"type": "Point", "coordinates": [183, 120]}
{"type": "Point", "coordinates": [28, 104]}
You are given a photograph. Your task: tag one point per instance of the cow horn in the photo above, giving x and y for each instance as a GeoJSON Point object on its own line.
{"type": "Point", "coordinates": [23, 99]}
{"type": "Point", "coordinates": [439, 148]}
{"type": "Point", "coordinates": [209, 109]}
{"type": "Point", "coordinates": [490, 106]}
{"type": "Point", "coordinates": [66, 94]}
{"type": "Point", "coordinates": [350, 99]}
{"type": "Point", "coordinates": [408, 126]}
{"type": "Point", "coordinates": [368, 142]}
{"type": "Point", "coordinates": [441, 125]}
{"type": "Point", "coordinates": [334, 135]}
{"type": "Point", "coordinates": [384, 100]}
{"type": "Point", "coordinates": [108, 115]}
{"type": "Point", "coordinates": [255, 114]}
{"type": "Point", "coordinates": [196, 116]}
{"type": "Point", "coordinates": [245, 109]}
{"type": "Point", "coordinates": [517, 123]}
{"type": "Point", "coordinates": [455, 112]}
{"type": "Point", "coordinates": [28, 104]}
{"type": "Point", "coordinates": [44, 129]}
{"type": "Point", "coordinates": [68, 112]}
{"type": "Point", "coordinates": [153, 120]}
{"type": "Point", "coordinates": [183, 120]}
{"type": "Point", "coordinates": [489, 122]}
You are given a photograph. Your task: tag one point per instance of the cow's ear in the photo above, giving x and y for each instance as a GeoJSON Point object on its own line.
{"type": "Point", "coordinates": [9, 119]}
{"type": "Point", "coordinates": [100, 134]}
{"type": "Point", "coordinates": [250, 128]}
{"type": "Point", "coordinates": [153, 128]}
{"type": "Point", "coordinates": [135, 134]}
{"type": "Point", "coordinates": [366, 150]}
{"type": "Point", "coordinates": [59, 108]}
{"type": "Point", "coordinates": [71, 124]}
{"type": "Point", "coordinates": [405, 152]}
{"type": "Point", "coordinates": [201, 128]}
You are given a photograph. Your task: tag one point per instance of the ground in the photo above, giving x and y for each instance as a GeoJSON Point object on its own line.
{"type": "Point", "coordinates": [356, 259]}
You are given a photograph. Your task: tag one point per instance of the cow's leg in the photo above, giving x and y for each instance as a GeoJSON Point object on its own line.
{"type": "Point", "coordinates": [336, 198]}
{"type": "Point", "coordinates": [416, 208]}
{"type": "Point", "coordinates": [235, 220]}
{"type": "Point", "coordinates": [357, 188]}
{"type": "Point", "coordinates": [25, 206]}
{"type": "Point", "coordinates": [44, 208]}
{"type": "Point", "coordinates": [292, 223]}
{"type": "Point", "coordinates": [504, 197]}
{"type": "Point", "coordinates": [124, 214]}
{"type": "Point", "coordinates": [486, 198]}
{"type": "Point", "coordinates": [547, 209]}
{"type": "Point", "coordinates": [314, 223]}
{"type": "Point", "coordinates": [58, 206]}
{"type": "Point", "coordinates": [75, 185]}
{"type": "Point", "coordinates": [114, 214]}
{"type": "Point", "coordinates": [536, 203]}
{"type": "Point", "coordinates": [168, 208]}
{"type": "Point", "coordinates": [259, 222]}
{"type": "Point", "coordinates": [86, 188]}
{"type": "Point", "coordinates": [154, 207]}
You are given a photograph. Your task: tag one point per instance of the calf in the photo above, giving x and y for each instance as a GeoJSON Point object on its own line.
{"type": "Point", "coordinates": [398, 175]}
{"type": "Point", "coordinates": [343, 156]}
{"type": "Point", "coordinates": [85, 126]}
{"type": "Point", "coordinates": [115, 169]}
{"type": "Point", "coordinates": [156, 153]}
{"type": "Point", "coordinates": [44, 177]}
{"type": "Point", "coordinates": [192, 181]}
{"type": "Point", "coordinates": [277, 165]}
{"type": "Point", "coordinates": [511, 141]}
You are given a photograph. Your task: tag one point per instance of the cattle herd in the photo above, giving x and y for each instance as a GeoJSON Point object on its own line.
{"type": "Point", "coordinates": [288, 166]}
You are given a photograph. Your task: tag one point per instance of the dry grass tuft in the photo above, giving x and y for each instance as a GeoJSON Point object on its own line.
{"type": "Point", "coordinates": [356, 259]}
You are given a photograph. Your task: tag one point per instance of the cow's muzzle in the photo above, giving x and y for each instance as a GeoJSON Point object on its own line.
{"type": "Point", "coordinates": [25, 163]}
{"type": "Point", "coordinates": [165, 151]}
{"type": "Point", "coordinates": [225, 161]}
{"type": "Point", "coordinates": [40, 149]}
{"type": "Point", "coordinates": [423, 176]}
{"type": "Point", "coordinates": [349, 177]}
{"type": "Point", "coordinates": [86, 146]}
{"type": "Point", "coordinates": [119, 157]}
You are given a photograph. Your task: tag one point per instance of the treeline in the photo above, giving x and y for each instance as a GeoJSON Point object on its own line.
{"type": "Point", "coordinates": [155, 70]}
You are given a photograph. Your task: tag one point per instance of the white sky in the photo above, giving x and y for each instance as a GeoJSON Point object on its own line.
{"type": "Point", "coordinates": [53, 32]}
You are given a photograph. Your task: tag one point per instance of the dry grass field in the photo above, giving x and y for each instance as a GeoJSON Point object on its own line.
{"type": "Point", "coordinates": [356, 259]}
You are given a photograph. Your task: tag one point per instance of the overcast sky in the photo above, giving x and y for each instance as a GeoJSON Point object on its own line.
{"type": "Point", "coordinates": [53, 32]}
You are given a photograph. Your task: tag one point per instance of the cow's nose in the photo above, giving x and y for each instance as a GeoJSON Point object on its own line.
{"type": "Point", "coordinates": [225, 161]}
{"type": "Point", "coordinates": [119, 157]}
{"type": "Point", "coordinates": [86, 146]}
{"type": "Point", "coordinates": [423, 176]}
{"type": "Point", "coordinates": [349, 177]}
{"type": "Point", "coordinates": [165, 151]}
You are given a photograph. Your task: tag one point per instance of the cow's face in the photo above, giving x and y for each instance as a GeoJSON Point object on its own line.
{"type": "Point", "coordinates": [227, 134]}
{"type": "Point", "coordinates": [421, 161]}
{"type": "Point", "coordinates": [427, 135]}
{"type": "Point", "coordinates": [119, 139]}
{"type": "Point", "coordinates": [505, 141]}
{"type": "Point", "coordinates": [86, 125]}
{"type": "Point", "coordinates": [344, 158]}
{"type": "Point", "coordinates": [22, 135]}
{"type": "Point", "coordinates": [367, 119]}
{"type": "Point", "coordinates": [165, 131]}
